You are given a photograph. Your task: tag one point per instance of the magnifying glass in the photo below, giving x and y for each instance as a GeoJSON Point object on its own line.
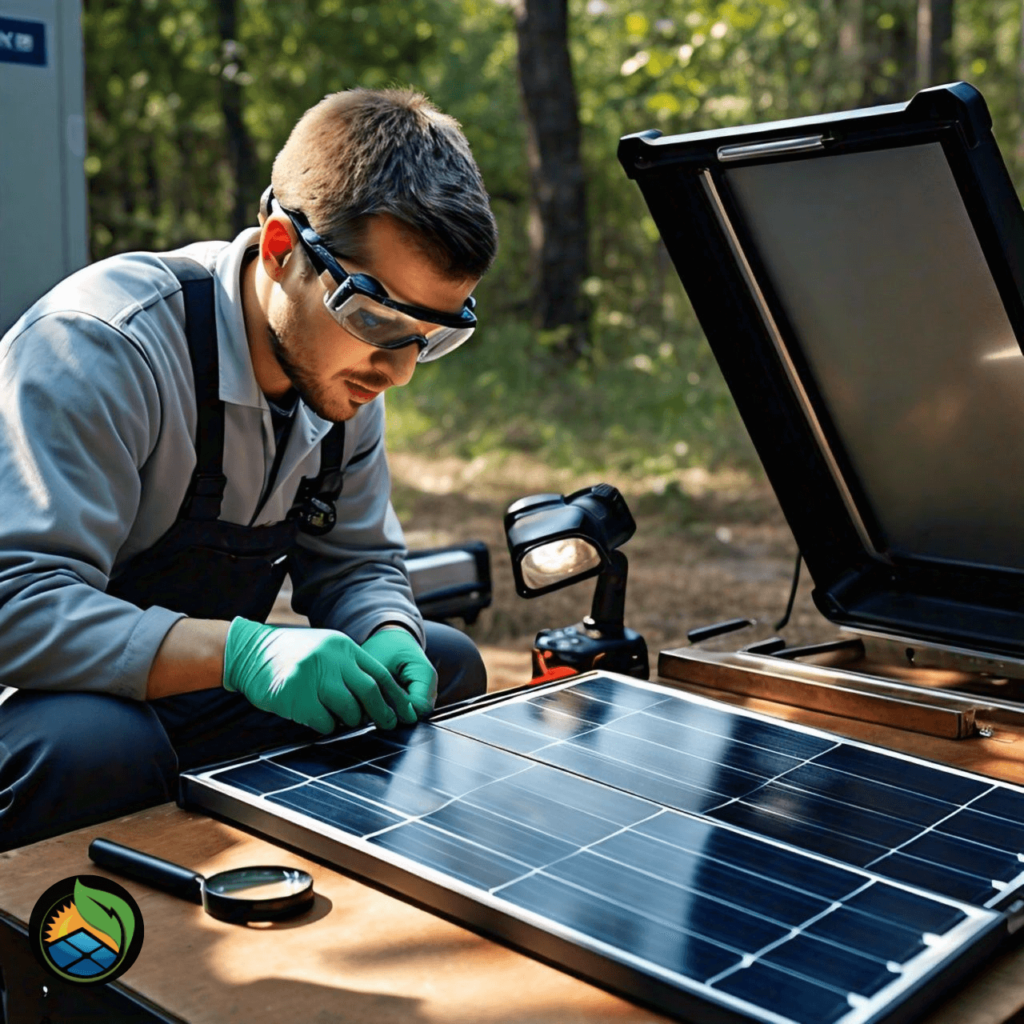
{"type": "Point", "coordinates": [238, 896]}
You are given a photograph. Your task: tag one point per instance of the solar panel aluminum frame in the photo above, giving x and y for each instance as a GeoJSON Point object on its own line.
{"type": "Point", "coordinates": [859, 582]}
{"type": "Point", "coordinates": [560, 945]}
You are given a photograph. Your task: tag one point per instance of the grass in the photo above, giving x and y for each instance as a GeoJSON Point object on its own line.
{"type": "Point", "coordinates": [646, 418]}
{"type": "Point", "coordinates": [503, 418]}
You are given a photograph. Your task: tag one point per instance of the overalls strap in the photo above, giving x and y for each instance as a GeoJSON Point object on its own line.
{"type": "Point", "coordinates": [206, 489]}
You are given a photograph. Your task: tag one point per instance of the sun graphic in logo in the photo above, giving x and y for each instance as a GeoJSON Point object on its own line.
{"type": "Point", "coordinates": [88, 929]}
{"type": "Point", "coordinates": [67, 921]}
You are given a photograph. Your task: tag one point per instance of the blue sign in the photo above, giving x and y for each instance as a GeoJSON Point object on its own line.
{"type": "Point", "coordinates": [22, 42]}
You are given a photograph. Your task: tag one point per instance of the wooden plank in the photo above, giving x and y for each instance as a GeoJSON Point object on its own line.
{"type": "Point", "coordinates": [822, 689]}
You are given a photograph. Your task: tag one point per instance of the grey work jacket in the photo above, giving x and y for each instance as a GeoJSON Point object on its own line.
{"type": "Point", "coordinates": [97, 447]}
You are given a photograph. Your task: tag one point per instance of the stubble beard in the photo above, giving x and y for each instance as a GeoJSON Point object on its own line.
{"type": "Point", "coordinates": [314, 392]}
{"type": "Point", "coordinates": [311, 391]}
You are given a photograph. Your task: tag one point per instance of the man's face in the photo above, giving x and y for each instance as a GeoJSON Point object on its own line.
{"type": "Point", "coordinates": [334, 372]}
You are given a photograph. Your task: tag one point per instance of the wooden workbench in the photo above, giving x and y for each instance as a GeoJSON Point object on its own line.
{"type": "Point", "coordinates": [363, 955]}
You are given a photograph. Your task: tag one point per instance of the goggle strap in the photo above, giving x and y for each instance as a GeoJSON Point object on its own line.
{"type": "Point", "coordinates": [316, 251]}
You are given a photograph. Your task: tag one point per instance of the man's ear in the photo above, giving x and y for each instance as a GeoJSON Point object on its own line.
{"type": "Point", "coordinates": [277, 242]}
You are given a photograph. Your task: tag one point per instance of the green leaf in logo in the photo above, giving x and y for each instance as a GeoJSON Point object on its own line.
{"type": "Point", "coordinates": [106, 912]}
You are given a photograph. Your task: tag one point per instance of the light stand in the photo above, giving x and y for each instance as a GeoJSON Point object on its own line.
{"type": "Point", "coordinates": [555, 541]}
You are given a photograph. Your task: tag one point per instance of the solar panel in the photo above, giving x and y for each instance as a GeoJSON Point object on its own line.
{"type": "Point", "coordinates": [704, 859]}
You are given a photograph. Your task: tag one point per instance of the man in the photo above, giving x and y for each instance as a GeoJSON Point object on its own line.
{"type": "Point", "coordinates": [179, 430]}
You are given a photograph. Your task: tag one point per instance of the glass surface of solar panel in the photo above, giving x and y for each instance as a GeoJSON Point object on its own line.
{"type": "Point", "coordinates": [776, 872]}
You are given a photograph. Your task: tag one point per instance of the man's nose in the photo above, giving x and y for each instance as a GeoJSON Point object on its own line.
{"type": "Point", "coordinates": [398, 364]}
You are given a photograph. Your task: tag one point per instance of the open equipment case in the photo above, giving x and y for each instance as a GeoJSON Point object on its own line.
{"type": "Point", "coordinates": [859, 277]}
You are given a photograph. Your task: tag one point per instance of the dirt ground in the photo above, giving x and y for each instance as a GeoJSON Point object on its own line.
{"type": "Point", "coordinates": [713, 547]}
{"type": "Point", "coordinates": [717, 547]}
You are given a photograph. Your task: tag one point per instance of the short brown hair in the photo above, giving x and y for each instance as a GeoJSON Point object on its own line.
{"type": "Point", "coordinates": [366, 152]}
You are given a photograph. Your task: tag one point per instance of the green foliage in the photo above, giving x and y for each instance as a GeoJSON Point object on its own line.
{"type": "Point", "coordinates": [645, 416]}
{"type": "Point", "coordinates": [158, 164]}
{"type": "Point", "coordinates": [160, 174]}
{"type": "Point", "coordinates": [106, 912]}
{"type": "Point", "coordinates": [988, 44]}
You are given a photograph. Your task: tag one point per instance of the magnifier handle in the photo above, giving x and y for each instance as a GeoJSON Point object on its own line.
{"type": "Point", "coordinates": [161, 874]}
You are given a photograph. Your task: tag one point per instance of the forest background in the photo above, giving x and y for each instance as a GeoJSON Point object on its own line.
{"type": "Point", "coordinates": [589, 363]}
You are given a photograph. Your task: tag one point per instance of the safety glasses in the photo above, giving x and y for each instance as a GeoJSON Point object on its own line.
{"type": "Point", "coordinates": [362, 306]}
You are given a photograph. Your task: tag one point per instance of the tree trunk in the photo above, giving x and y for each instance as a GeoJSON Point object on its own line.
{"type": "Point", "coordinates": [1020, 102]}
{"type": "Point", "coordinates": [851, 49]}
{"type": "Point", "coordinates": [558, 212]}
{"type": "Point", "coordinates": [902, 42]}
{"type": "Point", "coordinates": [934, 37]}
{"type": "Point", "coordinates": [241, 153]}
{"type": "Point", "coordinates": [824, 64]}
{"type": "Point", "coordinates": [889, 57]}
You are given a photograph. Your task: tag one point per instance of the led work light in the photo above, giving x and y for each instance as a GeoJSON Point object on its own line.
{"type": "Point", "coordinates": [557, 540]}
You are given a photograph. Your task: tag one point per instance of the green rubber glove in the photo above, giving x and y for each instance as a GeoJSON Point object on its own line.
{"type": "Point", "coordinates": [397, 650]}
{"type": "Point", "coordinates": [316, 677]}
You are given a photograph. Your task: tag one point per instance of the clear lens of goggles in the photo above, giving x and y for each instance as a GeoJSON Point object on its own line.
{"type": "Point", "coordinates": [384, 327]}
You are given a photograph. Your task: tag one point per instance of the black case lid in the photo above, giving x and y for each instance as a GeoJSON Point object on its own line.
{"type": "Point", "coordinates": [859, 278]}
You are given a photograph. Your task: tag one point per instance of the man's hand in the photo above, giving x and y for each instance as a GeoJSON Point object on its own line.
{"type": "Point", "coordinates": [397, 650]}
{"type": "Point", "coordinates": [316, 677]}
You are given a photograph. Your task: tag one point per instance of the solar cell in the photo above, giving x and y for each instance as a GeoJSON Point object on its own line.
{"type": "Point", "coordinates": [787, 995]}
{"type": "Point", "coordinates": [878, 766]}
{"type": "Point", "coordinates": [984, 828]}
{"type": "Point", "coordinates": [869, 795]}
{"type": "Point", "coordinates": [1002, 803]}
{"type": "Point", "coordinates": [972, 858]}
{"type": "Point", "coordinates": [332, 807]}
{"type": "Point", "coordinates": [765, 821]}
{"type": "Point", "coordinates": [749, 887]}
{"type": "Point", "coordinates": [468, 861]}
{"type": "Point", "coordinates": [959, 885]}
{"type": "Point", "coordinates": [893, 904]}
{"type": "Point", "coordinates": [822, 961]}
{"type": "Point", "coordinates": [663, 789]}
{"type": "Point", "coordinates": [724, 846]}
{"type": "Point", "coordinates": [743, 756]}
{"type": "Point", "coordinates": [262, 777]}
{"type": "Point", "coordinates": [494, 832]}
{"type": "Point", "coordinates": [663, 844]}
{"type": "Point", "coordinates": [683, 952]}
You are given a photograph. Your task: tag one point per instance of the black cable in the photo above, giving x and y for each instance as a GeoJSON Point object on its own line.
{"type": "Point", "coordinates": [792, 594]}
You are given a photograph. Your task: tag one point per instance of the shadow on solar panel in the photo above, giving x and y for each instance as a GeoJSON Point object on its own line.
{"type": "Point", "coordinates": [706, 860]}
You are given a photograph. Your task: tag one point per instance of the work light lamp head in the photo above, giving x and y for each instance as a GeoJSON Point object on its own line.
{"type": "Point", "coordinates": [558, 561]}
{"type": "Point", "coordinates": [556, 540]}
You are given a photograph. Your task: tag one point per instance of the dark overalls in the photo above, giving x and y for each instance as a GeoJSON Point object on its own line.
{"type": "Point", "coordinates": [71, 759]}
